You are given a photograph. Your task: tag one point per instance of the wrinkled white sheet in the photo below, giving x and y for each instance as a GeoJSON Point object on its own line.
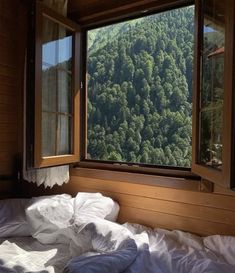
{"type": "Point", "coordinates": [13, 221]}
{"type": "Point", "coordinates": [26, 254]}
{"type": "Point", "coordinates": [51, 216]}
{"type": "Point", "coordinates": [96, 245]}
{"type": "Point", "coordinates": [158, 251]}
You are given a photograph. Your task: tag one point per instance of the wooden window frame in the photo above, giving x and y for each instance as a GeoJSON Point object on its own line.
{"type": "Point", "coordinates": [148, 169]}
{"type": "Point", "coordinates": [39, 160]}
{"type": "Point", "coordinates": [152, 173]}
{"type": "Point", "coordinates": [224, 177]}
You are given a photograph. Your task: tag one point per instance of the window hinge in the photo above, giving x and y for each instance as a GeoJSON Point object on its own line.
{"type": "Point", "coordinates": [81, 85]}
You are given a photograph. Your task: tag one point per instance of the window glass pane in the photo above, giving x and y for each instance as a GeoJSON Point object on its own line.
{"type": "Point", "coordinates": [65, 92]}
{"type": "Point", "coordinates": [50, 43]}
{"type": "Point", "coordinates": [212, 84]}
{"type": "Point", "coordinates": [140, 90]}
{"type": "Point", "coordinates": [65, 48]}
{"type": "Point", "coordinates": [65, 135]}
{"type": "Point", "coordinates": [56, 89]}
{"type": "Point", "coordinates": [57, 45]}
{"type": "Point", "coordinates": [49, 61]}
{"type": "Point", "coordinates": [211, 147]}
{"type": "Point", "coordinates": [48, 134]}
{"type": "Point", "coordinates": [49, 96]}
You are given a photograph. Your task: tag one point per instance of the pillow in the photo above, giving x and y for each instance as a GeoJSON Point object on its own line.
{"type": "Point", "coordinates": [48, 216]}
{"type": "Point", "coordinates": [13, 221]}
{"type": "Point", "coordinates": [95, 205]}
{"type": "Point", "coordinates": [222, 245]}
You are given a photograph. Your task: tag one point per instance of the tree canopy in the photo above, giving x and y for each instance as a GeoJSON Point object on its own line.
{"type": "Point", "coordinates": [140, 89]}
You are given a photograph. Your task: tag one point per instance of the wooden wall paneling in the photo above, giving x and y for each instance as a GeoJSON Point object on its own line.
{"type": "Point", "coordinates": [187, 197]}
{"type": "Point", "coordinates": [7, 81]}
{"type": "Point", "coordinates": [9, 88]}
{"type": "Point", "coordinates": [216, 201]}
{"type": "Point", "coordinates": [201, 213]}
{"type": "Point", "coordinates": [8, 9]}
{"type": "Point", "coordinates": [221, 190]}
{"type": "Point", "coordinates": [169, 207]}
{"type": "Point", "coordinates": [6, 167]}
{"type": "Point", "coordinates": [155, 206]}
{"type": "Point", "coordinates": [7, 70]}
{"type": "Point", "coordinates": [162, 220]}
{"type": "Point", "coordinates": [6, 89]}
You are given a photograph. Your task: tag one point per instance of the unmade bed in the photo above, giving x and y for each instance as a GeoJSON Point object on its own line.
{"type": "Point", "coordinates": [61, 234]}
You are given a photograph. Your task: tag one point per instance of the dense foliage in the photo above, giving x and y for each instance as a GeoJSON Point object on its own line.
{"type": "Point", "coordinates": [140, 90]}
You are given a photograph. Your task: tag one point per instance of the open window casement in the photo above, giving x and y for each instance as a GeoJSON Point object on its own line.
{"type": "Point", "coordinates": [213, 137]}
{"type": "Point", "coordinates": [57, 96]}
{"type": "Point", "coordinates": [56, 85]}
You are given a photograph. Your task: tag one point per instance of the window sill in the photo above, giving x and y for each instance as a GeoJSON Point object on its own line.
{"type": "Point", "coordinates": [88, 170]}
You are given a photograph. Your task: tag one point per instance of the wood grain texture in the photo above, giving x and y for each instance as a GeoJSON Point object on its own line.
{"type": "Point", "coordinates": [53, 160]}
{"type": "Point", "coordinates": [9, 92]}
{"type": "Point", "coordinates": [223, 177]}
{"type": "Point", "coordinates": [88, 12]}
{"type": "Point", "coordinates": [200, 213]}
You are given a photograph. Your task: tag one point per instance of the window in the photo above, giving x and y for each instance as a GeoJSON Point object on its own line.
{"type": "Point", "coordinates": [141, 110]}
{"type": "Point", "coordinates": [214, 87]}
{"type": "Point", "coordinates": [139, 90]}
{"type": "Point", "coordinates": [56, 89]}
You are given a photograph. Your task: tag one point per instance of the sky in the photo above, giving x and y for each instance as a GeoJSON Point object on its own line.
{"type": "Point", "coordinates": [56, 52]}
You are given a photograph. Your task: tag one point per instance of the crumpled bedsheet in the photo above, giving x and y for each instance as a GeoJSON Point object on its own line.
{"type": "Point", "coordinates": [146, 250]}
{"type": "Point", "coordinates": [95, 245]}
{"type": "Point", "coordinates": [26, 254]}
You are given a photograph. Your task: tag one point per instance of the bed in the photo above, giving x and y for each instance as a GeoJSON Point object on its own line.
{"type": "Point", "coordinates": [61, 234]}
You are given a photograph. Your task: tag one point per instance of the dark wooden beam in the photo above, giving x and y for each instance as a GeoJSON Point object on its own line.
{"type": "Point", "coordinates": [108, 10]}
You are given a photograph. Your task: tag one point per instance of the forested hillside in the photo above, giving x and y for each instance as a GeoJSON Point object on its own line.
{"type": "Point", "coordinates": [140, 90]}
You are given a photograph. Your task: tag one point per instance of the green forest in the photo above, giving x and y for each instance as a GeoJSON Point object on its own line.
{"type": "Point", "coordinates": [140, 90]}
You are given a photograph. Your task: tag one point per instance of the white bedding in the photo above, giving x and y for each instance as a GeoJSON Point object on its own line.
{"type": "Point", "coordinates": [101, 246]}
{"type": "Point", "coordinates": [26, 254]}
{"type": "Point", "coordinates": [88, 243]}
{"type": "Point", "coordinates": [157, 251]}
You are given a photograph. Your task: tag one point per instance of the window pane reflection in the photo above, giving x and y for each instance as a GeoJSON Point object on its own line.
{"type": "Point", "coordinates": [65, 135]}
{"type": "Point", "coordinates": [212, 84]}
{"type": "Point", "coordinates": [64, 91]}
{"type": "Point", "coordinates": [48, 134]}
{"type": "Point", "coordinates": [56, 88]}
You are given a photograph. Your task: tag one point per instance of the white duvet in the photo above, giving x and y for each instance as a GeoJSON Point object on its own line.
{"type": "Point", "coordinates": [146, 251]}
{"type": "Point", "coordinates": [100, 246]}
{"type": "Point", "coordinates": [82, 242]}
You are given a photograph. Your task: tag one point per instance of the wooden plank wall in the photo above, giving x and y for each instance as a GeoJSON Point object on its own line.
{"type": "Point", "coordinates": [155, 206]}
{"type": "Point", "coordinates": [197, 212]}
{"type": "Point", "coordinates": [8, 92]}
